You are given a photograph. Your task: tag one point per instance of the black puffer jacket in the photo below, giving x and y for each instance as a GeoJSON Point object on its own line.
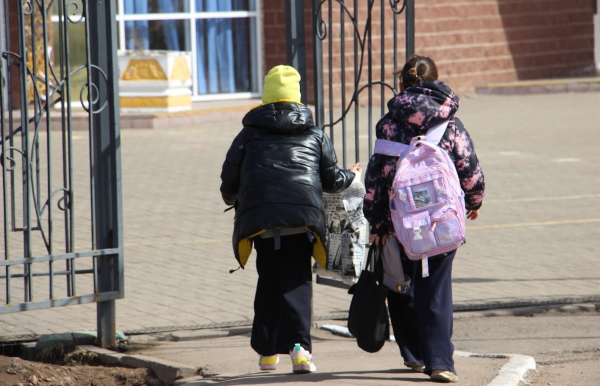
{"type": "Point", "coordinates": [275, 174]}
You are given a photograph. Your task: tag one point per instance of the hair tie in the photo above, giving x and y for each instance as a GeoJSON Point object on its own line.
{"type": "Point", "coordinates": [412, 70]}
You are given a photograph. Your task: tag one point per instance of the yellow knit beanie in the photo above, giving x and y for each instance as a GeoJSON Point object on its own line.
{"type": "Point", "coordinates": [282, 83]}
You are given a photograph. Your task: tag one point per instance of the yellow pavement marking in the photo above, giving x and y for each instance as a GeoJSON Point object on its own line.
{"type": "Point", "coordinates": [549, 198]}
{"type": "Point", "coordinates": [545, 82]}
{"type": "Point", "coordinates": [534, 224]}
{"type": "Point", "coordinates": [203, 241]}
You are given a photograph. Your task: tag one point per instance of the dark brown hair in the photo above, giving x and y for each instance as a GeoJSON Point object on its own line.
{"type": "Point", "coordinates": [416, 70]}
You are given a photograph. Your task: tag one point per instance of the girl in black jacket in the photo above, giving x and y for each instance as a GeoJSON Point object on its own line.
{"type": "Point", "coordinates": [275, 174]}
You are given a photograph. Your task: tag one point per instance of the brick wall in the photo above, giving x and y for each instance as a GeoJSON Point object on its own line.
{"type": "Point", "coordinates": [275, 50]}
{"type": "Point", "coordinates": [273, 16]}
{"type": "Point", "coordinates": [473, 42]}
{"type": "Point", "coordinates": [478, 42]}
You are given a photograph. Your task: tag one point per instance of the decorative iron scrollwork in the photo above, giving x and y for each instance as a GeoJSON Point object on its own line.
{"type": "Point", "coordinates": [46, 72]}
{"type": "Point", "coordinates": [361, 38]}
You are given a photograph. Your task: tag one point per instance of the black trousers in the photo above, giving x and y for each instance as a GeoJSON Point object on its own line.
{"type": "Point", "coordinates": [282, 305]}
{"type": "Point", "coordinates": [422, 319]}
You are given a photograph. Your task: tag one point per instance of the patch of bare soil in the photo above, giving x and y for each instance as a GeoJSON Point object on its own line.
{"type": "Point", "coordinates": [78, 368]}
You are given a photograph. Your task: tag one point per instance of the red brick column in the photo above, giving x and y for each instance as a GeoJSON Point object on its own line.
{"type": "Point", "coordinates": [275, 52]}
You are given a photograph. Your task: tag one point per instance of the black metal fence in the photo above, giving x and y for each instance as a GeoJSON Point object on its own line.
{"type": "Point", "coordinates": [62, 224]}
{"type": "Point", "coordinates": [355, 52]}
{"type": "Point", "coordinates": [362, 74]}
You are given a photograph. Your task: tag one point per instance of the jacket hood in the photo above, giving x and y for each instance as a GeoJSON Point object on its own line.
{"type": "Point", "coordinates": [280, 117]}
{"type": "Point", "coordinates": [421, 106]}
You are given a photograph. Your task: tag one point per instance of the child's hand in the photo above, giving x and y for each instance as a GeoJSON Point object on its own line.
{"type": "Point", "coordinates": [378, 233]}
{"type": "Point", "coordinates": [356, 168]}
{"type": "Point", "coordinates": [472, 214]}
{"type": "Point", "coordinates": [374, 239]}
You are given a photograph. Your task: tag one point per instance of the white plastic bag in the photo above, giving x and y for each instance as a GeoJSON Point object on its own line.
{"type": "Point", "coordinates": [347, 229]}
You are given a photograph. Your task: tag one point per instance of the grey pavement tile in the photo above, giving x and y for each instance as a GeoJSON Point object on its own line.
{"type": "Point", "coordinates": [177, 239]}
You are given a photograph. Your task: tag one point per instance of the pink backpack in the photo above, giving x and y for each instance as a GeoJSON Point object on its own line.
{"type": "Point", "coordinates": [427, 203]}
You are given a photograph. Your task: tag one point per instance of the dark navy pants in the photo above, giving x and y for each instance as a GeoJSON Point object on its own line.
{"type": "Point", "coordinates": [282, 305]}
{"type": "Point", "coordinates": [422, 318]}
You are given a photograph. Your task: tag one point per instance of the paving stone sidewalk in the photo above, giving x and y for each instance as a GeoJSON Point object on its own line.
{"type": "Point", "coordinates": [535, 240]}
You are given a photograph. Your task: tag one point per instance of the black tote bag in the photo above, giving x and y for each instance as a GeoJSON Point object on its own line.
{"type": "Point", "coordinates": [368, 319]}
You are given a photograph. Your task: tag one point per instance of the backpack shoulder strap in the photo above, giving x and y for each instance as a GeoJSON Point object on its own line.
{"type": "Point", "coordinates": [391, 148]}
{"type": "Point", "coordinates": [435, 133]}
{"type": "Point", "coordinates": [395, 149]}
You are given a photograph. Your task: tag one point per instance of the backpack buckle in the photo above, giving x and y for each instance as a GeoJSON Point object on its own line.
{"type": "Point", "coordinates": [417, 232]}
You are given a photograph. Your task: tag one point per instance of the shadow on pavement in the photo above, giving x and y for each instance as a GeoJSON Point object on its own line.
{"type": "Point", "coordinates": [262, 378]}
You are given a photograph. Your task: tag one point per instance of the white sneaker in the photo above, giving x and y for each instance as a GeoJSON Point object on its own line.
{"type": "Point", "coordinates": [302, 361]}
{"type": "Point", "coordinates": [267, 363]}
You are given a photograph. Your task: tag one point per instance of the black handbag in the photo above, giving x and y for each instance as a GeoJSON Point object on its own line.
{"type": "Point", "coordinates": [368, 319]}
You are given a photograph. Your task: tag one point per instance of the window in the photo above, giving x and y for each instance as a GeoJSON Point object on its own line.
{"type": "Point", "coordinates": [222, 36]}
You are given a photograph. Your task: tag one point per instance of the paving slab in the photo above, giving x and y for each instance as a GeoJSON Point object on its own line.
{"type": "Point", "coordinates": [339, 361]}
{"type": "Point", "coordinates": [535, 240]}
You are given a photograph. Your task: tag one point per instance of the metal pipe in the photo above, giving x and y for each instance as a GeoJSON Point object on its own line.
{"type": "Point", "coordinates": [107, 163]}
{"type": "Point", "coordinates": [70, 197]}
{"type": "Point", "coordinates": [318, 63]}
{"type": "Point", "coordinates": [5, 184]}
{"type": "Point", "coordinates": [296, 45]}
{"type": "Point", "coordinates": [410, 28]}
{"type": "Point", "coordinates": [370, 80]}
{"type": "Point", "coordinates": [343, 82]}
{"type": "Point", "coordinates": [356, 83]}
{"type": "Point", "coordinates": [25, 152]}
{"type": "Point", "coordinates": [48, 148]}
{"type": "Point", "coordinates": [329, 59]}
{"type": "Point", "coordinates": [382, 58]}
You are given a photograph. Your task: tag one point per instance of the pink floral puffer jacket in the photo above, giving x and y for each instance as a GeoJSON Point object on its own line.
{"type": "Point", "coordinates": [412, 113]}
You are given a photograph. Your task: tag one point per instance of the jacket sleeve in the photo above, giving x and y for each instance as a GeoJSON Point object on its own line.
{"type": "Point", "coordinates": [333, 178]}
{"type": "Point", "coordinates": [468, 167]}
{"type": "Point", "coordinates": [378, 181]}
{"type": "Point", "coordinates": [230, 174]}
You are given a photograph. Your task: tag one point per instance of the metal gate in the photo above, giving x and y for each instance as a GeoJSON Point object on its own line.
{"type": "Point", "coordinates": [352, 75]}
{"type": "Point", "coordinates": [363, 69]}
{"type": "Point", "coordinates": [62, 228]}
{"type": "Point", "coordinates": [355, 52]}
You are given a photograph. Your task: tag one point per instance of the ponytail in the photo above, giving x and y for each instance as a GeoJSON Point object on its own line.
{"type": "Point", "coordinates": [416, 70]}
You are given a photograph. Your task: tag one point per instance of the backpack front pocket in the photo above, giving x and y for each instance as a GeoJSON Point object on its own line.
{"type": "Point", "coordinates": [448, 231]}
{"type": "Point", "coordinates": [422, 191]}
{"type": "Point", "coordinates": [417, 233]}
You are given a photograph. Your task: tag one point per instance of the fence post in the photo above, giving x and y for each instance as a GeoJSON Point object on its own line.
{"type": "Point", "coordinates": [105, 134]}
{"type": "Point", "coordinates": [296, 45]}
{"type": "Point", "coordinates": [318, 64]}
{"type": "Point", "coordinates": [410, 28]}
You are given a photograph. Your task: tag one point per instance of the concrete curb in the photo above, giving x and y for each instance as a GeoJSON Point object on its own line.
{"type": "Point", "coordinates": [187, 334]}
{"type": "Point", "coordinates": [510, 374]}
{"type": "Point", "coordinates": [502, 307]}
{"type": "Point", "coordinates": [167, 371]}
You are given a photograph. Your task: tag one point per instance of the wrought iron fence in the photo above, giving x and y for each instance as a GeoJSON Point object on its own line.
{"type": "Point", "coordinates": [62, 226]}
{"type": "Point", "coordinates": [357, 64]}
{"type": "Point", "coordinates": [365, 67]}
